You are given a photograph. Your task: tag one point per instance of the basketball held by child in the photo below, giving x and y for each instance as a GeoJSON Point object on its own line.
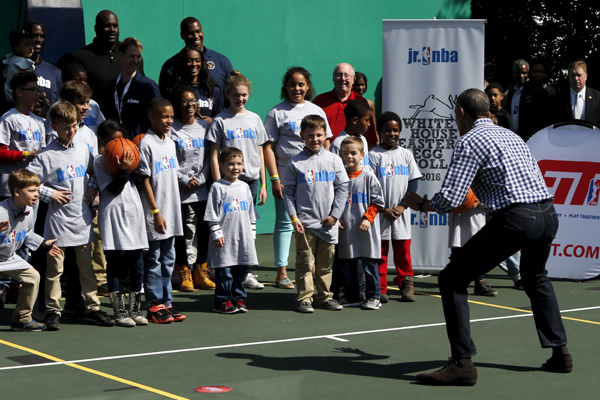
{"type": "Point", "coordinates": [138, 139]}
{"type": "Point", "coordinates": [468, 204]}
{"type": "Point", "coordinates": [117, 148]}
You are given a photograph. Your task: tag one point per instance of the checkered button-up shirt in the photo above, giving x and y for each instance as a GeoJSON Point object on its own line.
{"type": "Point", "coordinates": [497, 164]}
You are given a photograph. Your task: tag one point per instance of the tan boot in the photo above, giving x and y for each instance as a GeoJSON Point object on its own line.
{"type": "Point", "coordinates": [186, 279]}
{"type": "Point", "coordinates": [201, 279]}
{"type": "Point", "coordinates": [407, 290]}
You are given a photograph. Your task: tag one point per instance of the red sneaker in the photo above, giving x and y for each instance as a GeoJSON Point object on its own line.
{"type": "Point", "coordinates": [159, 315]}
{"type": "Point", "coordinates": [177, 316]}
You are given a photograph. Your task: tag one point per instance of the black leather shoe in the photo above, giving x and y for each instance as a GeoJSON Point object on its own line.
{"type": "Point", "coordinates": [559, 363]}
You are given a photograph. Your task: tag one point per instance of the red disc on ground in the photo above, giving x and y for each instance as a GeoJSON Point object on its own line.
{"type": "Point", "coordinates": [212, 389]}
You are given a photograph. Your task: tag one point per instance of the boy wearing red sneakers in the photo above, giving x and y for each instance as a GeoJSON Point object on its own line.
{"type": "Point", "coordinates": [231, 216]}
{"type": "Point", "coordinates": [162, 211]}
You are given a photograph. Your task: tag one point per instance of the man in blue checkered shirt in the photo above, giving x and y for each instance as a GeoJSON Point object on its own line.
{"type": "Point", "coordinates": [498, 166]}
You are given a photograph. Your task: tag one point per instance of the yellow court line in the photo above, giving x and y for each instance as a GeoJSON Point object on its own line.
{"type": "Point", "coordinates": [95, 372]}
{"type": "Point", "coordinates": [582, 320]}
{"type": "Point", "coordinates": [513, 309]}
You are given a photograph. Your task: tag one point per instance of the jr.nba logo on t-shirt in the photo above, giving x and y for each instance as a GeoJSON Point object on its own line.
{"type": "Point", "coordinates": [295, 125]}
{"type": "Point", "coordinates": [235, 203]}
{"type": "Point", "coordinates": [10, 238]}
{"type": "Point", "coordinates": [239, 133]}
{"type": "Point", "coordinates": [349, 202]}
{"type": "Point", "coordinates": [29, 134]}
{"type": "Point", "coordinates": [310, 176]}
{"type": "Point", "coordinates": [389, 169]}
{"type": "Point", "coordinates": [166, 164]}
{"type": "Point", "coordinates": [71, 172]}
{"type": "Point", "coordinates": [187, 143]}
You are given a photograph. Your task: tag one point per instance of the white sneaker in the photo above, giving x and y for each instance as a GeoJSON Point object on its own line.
{"type": "Point", "coordinates": [372, 304]}
{"type": "Point", "coordinates": [250, 282]}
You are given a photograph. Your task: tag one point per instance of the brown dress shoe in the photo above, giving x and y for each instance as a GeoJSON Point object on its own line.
{"type": "Point", "coordinates": [450, 374]}
{"type": "Point", "coordinates": [559, 363]}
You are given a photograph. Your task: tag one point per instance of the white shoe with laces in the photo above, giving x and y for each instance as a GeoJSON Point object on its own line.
{"type": "Point", "coordinates": [250, 282]}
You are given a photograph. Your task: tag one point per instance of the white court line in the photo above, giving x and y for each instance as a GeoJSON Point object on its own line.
{"type": "Point", "coordinates": [299, 339]}
{"type": "Point", "coordinates": [337, 338]}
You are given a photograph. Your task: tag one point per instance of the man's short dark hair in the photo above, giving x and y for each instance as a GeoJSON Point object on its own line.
{"type": "Point", "coordinates": [474, 102]}
{"type": "Point", "coordinates": [187, 21]}
{"type": "Point", "coordinates": [356, 108]}
{"type": "Point", "coordinates": [29, 25]}
{"type": "Point", "coordinates": [21, 79]}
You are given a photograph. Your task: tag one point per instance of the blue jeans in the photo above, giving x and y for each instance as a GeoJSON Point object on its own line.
{"type": "Point", "coordinates": [158, 268]}
{"type": "Point", "coordinates": [526, 227]}
{"type": "Point", "coordinates": [282, 236]}
{"type": "Point", "coordinates": [253, 185]}
{"type": "Point", "coordinates": [229, 283]}
{"type": "Point", "coordinates": [511, 266]}
{"type": "Point", "coordinates": [362, 276]}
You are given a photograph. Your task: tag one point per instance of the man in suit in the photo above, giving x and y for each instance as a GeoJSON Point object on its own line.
{"type": "Point", "coordinates": [526, 101]}
{"type": "Point", "coordinates": [580, 101]}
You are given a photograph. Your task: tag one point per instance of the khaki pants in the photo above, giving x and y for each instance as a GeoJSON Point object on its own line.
{"type": "Point", "coordinates": [98, 260]}
{"type": "Point", "coordinates": [312, 250]}
{"type": "Point", "coordinates": [30, 283]}
{"type": "Point", "coordinates": [87, 279]}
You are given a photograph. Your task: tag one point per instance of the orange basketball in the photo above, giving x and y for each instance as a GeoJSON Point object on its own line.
{"type": "Point", "coordinates": [137, 140]}
{"type": "Point", "coordinates": [116, 148]}
{"type": "Point", "coordinates": [466, 205]}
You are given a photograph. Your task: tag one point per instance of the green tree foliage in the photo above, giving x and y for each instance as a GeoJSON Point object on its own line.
{"type": "Point", "coordinates": [553, 32]}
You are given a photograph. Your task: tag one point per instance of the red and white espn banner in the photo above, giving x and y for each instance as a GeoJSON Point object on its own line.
{"type": "Point", "coordinates": [568, 158]}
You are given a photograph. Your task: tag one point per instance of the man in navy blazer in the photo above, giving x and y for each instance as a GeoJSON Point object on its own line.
{"type": "Point", "coordinates": [579, 101]}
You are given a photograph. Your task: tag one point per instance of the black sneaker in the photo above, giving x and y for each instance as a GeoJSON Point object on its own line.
{"type": "Point", "coordinates": [241, 306]}
{"type": "Point", "coordinates": [348, 302]}
{"type": "Point", "coordinates": [225, 307]}
{"type": "Point", "coordinates": [384, 298]}
{"type": "Point", "coordinates": [31, 326]}
{"type": "Point", "coordinates": [159, 314]}
{"type": "Point", "coordinates": [331, 305]}
{"type": "Point", "coordinates": [482, 288]}
{"type": "Point", "coordinates": [52, 322]}
{"type": "Point", "coordinates": [177, 316]}
{"type": "Point", "coordinates": [518, 285]}
{"type": "Point", "coordinates": [99, 318]}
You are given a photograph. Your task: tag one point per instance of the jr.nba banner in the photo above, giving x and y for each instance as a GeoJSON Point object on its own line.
{"type": "Point", "coordinates": [567, 155]}
{"type": "Point", "coordinates": [426, 64]}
